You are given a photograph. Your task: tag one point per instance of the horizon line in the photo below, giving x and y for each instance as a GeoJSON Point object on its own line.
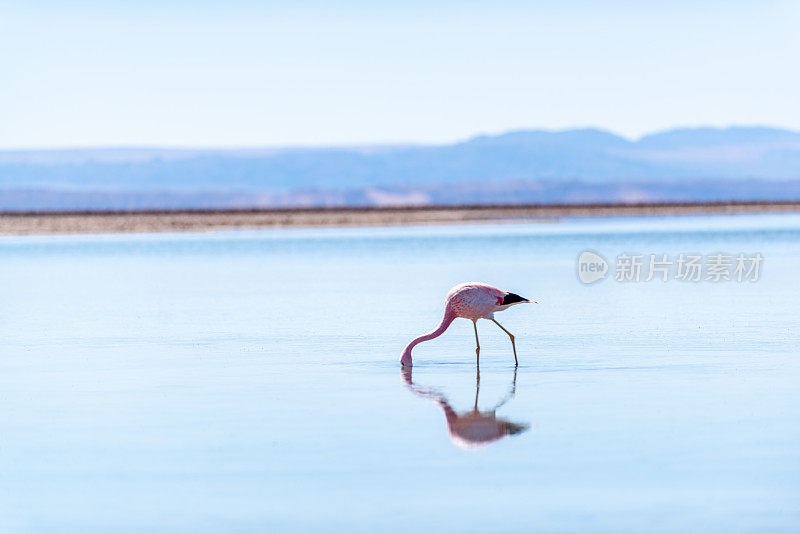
{"type": "Point", "coordinates": [392, 144]}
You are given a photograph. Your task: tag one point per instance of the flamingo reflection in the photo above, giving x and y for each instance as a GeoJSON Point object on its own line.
{"type": "Point", "coordinates": [474, 428]}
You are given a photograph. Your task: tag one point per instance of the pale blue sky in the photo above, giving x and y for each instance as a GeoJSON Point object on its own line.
{"type": "Point", "coordinates": [241, 73]}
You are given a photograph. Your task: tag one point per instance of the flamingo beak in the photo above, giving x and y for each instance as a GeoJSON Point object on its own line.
{"type": "Point", "coordinates": [512, 298]}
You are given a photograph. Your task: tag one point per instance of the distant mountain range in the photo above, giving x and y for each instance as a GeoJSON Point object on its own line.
{"type": "Point", "coordinates": [536, 166]}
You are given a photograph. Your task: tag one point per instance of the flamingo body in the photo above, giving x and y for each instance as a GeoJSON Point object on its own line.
{"type": "Point", "coordinates": [474, 429]}
{"type": "Point", "coordinates": [473, 301]}
{"type": "Point", "coordinates": [471, 429]}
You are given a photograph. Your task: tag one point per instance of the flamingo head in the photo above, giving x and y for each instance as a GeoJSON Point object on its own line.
{"type": "Point", "coordinates": [405, 360]}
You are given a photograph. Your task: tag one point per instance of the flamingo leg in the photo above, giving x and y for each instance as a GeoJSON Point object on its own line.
{"type": "Point", "coordinates": [478, 343]}
{"type": "Point", "coordinates": [511, 392]}
{"type": "Point", "coordinates": [510, 335]}
{"type": "Point", "coordinates": [477, 386]}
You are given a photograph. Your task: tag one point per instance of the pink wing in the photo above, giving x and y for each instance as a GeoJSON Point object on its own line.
{"type": "Point", "coordinates": [474, 300]}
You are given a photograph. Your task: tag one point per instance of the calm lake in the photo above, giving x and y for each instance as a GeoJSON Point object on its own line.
{"type": "Point", "coordinates": [249, 382]}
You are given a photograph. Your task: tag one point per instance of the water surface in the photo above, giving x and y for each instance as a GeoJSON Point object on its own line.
{"type": "Point", "coordinates": [249, 381]}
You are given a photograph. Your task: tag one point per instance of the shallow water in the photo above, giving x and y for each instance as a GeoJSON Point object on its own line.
{"type": "Point", "coordinates": [249, 381]}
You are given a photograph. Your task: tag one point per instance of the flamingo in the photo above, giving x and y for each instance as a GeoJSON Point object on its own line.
{"type": "Point", "coordinates": [471, 429]}
{"type": "Point", "coordinates": [472, 301]}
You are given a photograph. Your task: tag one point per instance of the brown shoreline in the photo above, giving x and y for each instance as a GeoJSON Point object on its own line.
{"type": "Point", "coordinates": [208, 220]}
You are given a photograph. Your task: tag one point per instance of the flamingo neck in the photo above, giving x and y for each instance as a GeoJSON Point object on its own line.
{"type": "Point", "coordinates": [448, 318]}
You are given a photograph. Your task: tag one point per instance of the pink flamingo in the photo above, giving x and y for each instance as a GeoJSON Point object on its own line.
{"type": "Point", "coordinates": [472, 429]}
{"type": "Point", "coordinates": [472, 301]}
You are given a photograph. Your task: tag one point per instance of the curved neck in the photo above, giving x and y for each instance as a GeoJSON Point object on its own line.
{"type": "Point", "coordinates": [448, 318]}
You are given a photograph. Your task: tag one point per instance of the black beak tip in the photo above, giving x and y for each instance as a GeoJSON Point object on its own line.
{"type": "Point", "coordinates": [512, 298]}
